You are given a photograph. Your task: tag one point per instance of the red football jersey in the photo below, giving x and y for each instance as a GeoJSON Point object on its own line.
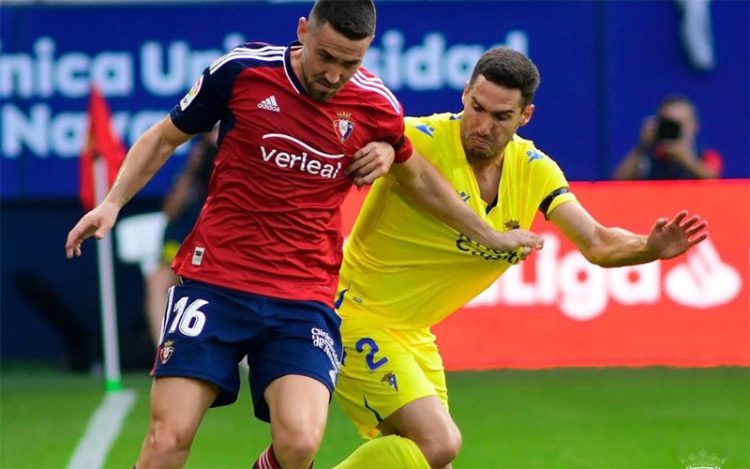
{"type": "Point", "coordinates": [271, 223]}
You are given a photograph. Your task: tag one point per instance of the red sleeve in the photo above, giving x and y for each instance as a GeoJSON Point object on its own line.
{"type": "Point", "coordinates": [390, 123]}
{"type": "Point", "coordinates": [403, 149]}
{"type": "Point", "coordinates": [393, 130]}
{"type": "Point", "coordinates": [713, 160]}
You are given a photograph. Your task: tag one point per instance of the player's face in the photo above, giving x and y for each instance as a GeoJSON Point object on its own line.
{"type": "Point", "coordinates": [684, 114]}
{"type": "Point", "coordinates": [328, 59]}
{"type": "Point", "coordinates": [492, 114]}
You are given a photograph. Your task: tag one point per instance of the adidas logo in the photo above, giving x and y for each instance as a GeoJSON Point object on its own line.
{"type": "Point", "coordinates": [269, 104]}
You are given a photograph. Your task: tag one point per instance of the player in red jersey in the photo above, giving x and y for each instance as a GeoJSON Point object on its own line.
{"type": "Point", "coordinates": [260, 267]}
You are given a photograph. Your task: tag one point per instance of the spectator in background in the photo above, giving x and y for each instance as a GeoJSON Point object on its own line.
{"type": "Point", "coordinates": [668, 148]}
{"type": "Point", "coordinates": [182, 205]}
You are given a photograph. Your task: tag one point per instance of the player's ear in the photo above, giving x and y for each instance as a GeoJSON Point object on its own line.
{"type": "Point", "coordinates": [465, 95]}
{"type": "Point", "coordinates": [528, 111]}
{"type": "Point", "coordinates": [302, 30]}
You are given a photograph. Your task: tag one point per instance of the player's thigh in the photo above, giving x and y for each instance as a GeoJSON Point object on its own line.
{"type": "Point", "coordinates": [303, 341]}
{"type": "Point", "coordinates": [179, 404]}
{"type": "Point", "coordinates": [430, 362]}
{"type": "Point", "coordinates": [298, 406]}
{"type": "Point", "coordinates": [379, 376]}
{"type": "Point", "coordinates": [423, 419]}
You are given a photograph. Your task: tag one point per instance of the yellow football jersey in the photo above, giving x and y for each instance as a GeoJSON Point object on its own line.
{"type": "Point", "coordinates": [405, 269]}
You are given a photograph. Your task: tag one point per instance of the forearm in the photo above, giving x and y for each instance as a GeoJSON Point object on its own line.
{"type": "Point", "coordinates": [698, 170]}
{"type": "Point", "coordinates": [147, 155]}
{"type": "Point", "coordinates": [429, 189]}
{"type": "Point", "coordinates": [628, 168]}
{"type": "Point", "coordinates": [617, 247]}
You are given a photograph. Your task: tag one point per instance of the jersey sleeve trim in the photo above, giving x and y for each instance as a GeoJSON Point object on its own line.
{"type": "Point", "coordinates": [263, 54]}
{"type": "Point", "coordinates": [376, 86]}
{"type": "Point", "coordinates": [547, 202]}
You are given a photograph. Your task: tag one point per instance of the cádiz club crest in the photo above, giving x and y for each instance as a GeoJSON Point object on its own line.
{"type": "Point", "coordinates": [343, 126]}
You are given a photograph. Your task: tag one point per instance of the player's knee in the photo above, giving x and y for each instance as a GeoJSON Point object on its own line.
{"type": "Point", "coordinates": [293, 448]}
{"type": "Point", "coordinates": [441, 447]}
{"type": "Point", "coordinates": [166, 440]}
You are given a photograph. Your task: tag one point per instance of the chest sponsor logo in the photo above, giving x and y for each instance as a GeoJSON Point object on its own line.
{"type": "Point", "coordinates": [304, 158]}
{"type": "Point", "coordinates": [469, 246]}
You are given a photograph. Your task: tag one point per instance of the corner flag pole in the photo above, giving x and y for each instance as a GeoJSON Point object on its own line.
{"type": "Point", "coordinates": [110, 345]}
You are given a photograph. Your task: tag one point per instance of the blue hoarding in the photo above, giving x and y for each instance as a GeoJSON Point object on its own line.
{"type": "Point", "coordinates": [604, 66]}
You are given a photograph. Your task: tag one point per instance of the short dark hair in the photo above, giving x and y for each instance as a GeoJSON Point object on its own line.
{"type": "Point", "coordinates": [355, 19]}
{"type": "Point", "coordinates": [678, 99]}
{"type": "Point", "coordinates": [509, 68]}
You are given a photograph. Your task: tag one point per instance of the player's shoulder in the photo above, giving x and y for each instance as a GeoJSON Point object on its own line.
{"type": "Point", "coordinates": [525, 151]}
{"type": "Point", "coordinates": [374, 91]}
{"type": "Point", "coordinates": [434, 127]}
{"type": "Point", "coordinates": [249, 55]}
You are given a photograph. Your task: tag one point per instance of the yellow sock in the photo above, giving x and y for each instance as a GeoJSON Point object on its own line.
{"type": "Point", "coordinates": [387, 452]}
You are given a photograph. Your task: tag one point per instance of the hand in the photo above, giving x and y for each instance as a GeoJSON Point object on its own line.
{"type": "Point", "coordinates": [96, 223]}
{"type": "Point", "coordinates": [679, 151]}
{"type": "Point", "coordinates": [370, 162]}
{"type": "Point", "coordinates": [524, 240]}
{"type": "Point", "coordinates": [669, 239]}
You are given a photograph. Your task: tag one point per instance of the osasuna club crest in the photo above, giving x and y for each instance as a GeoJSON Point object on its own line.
{"type": "Point", "coordinates": [167, 350]}
{"type": "Point", "coordinates": [343, 126]}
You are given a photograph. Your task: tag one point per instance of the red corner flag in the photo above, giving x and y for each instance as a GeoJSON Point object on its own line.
{"type": "Point", "coordinates": [101, 143]}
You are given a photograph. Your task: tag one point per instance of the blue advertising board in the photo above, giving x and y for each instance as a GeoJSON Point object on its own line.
{"type": "Point", "coordinates": [604, 66]}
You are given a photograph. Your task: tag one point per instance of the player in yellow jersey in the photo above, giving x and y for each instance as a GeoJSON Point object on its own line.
{"type": "Point", "coordinates": [405, 271]}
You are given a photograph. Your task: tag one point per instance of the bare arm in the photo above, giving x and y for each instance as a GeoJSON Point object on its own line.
{"type": "Point", "coordinates": [628, 169]}
{"type": "Point", "coordinates": [146, 156]}
{"type": "Point", "coordinates": [614, 247]}
{"type": "Point", "coordinates": [683, 154]}
{"type": "Point", "coordinates": [424, 184]}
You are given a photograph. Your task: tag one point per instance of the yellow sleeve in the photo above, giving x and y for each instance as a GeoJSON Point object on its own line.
{"type": "Point", "coordinates": [421, 132]}
{"type": "Point", "coordinates": [553, 187]}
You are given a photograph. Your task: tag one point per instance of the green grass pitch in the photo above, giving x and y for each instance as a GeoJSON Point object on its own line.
{"type": "Point", "coordinates": [570, 418]}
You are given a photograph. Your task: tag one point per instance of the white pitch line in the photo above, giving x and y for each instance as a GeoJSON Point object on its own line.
{"type": "Point", "coordinates": [102, 430]}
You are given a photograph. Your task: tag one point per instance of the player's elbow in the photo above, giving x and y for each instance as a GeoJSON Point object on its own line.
{"type": "Point", "coordinates": [597, 256]}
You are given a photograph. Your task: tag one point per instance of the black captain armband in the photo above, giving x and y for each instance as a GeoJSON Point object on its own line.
{"type": "Point", "coordinates": [544, 206]}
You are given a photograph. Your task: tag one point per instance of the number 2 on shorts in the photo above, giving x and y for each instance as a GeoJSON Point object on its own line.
{"type": "Point", "coordinates": [370, 358]}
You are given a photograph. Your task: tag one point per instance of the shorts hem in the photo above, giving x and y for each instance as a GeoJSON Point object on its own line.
{"type": "Point", "coordinates": [223, 390]}
{"type": "Point", "coordinates": [368, 432]}
{"type": "Point", "coordinates": [314, 376]}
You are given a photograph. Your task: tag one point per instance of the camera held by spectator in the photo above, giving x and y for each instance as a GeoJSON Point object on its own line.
{"type": "Point", "coordinates": [667, 148]}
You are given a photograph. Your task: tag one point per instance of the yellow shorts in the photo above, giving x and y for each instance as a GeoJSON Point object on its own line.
{"type": "Point", "coordinates": [385, 369]}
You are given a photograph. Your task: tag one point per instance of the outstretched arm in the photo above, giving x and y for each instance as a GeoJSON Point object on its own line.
{"type": "Point", "coordinates": [146, 156]}
{"type": "Point", "coordinates": [425, 185]}
{"type": "Point", "coordinates": [614, 247]}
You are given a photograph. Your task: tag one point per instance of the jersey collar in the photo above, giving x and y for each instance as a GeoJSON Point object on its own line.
{"type": "Point", "coordinates": [293, 79]}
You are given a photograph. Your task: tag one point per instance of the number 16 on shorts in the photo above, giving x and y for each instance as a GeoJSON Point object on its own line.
{"type": "Point", "coordinates": [185, 315]}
